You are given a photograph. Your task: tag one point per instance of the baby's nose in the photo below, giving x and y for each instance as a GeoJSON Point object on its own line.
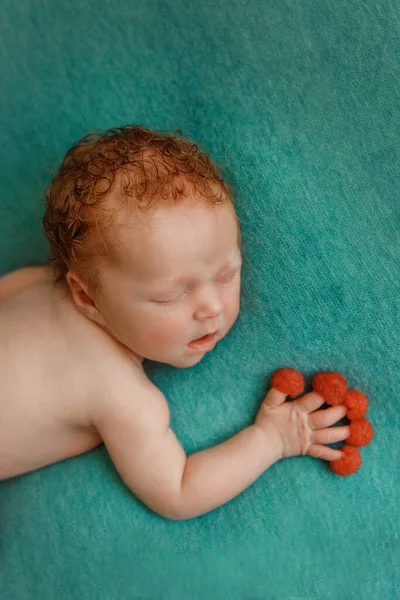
{"type": "Point", "coordinates": [209, 304]}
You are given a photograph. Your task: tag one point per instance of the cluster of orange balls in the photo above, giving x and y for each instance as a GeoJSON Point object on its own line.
{"type": "Point", "coordinates": [334, 390]}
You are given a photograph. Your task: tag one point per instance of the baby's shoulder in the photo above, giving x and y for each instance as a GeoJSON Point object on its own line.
{"type": "Point", "coordinates": [128, 395]}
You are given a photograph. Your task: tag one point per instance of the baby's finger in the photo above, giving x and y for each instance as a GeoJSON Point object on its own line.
{"type": "Point", "coordinates": [310, 402]}
{"type": "Point", "coordinates": [326, 417]}
{"type": "Point", "coordinates": [318, 451]}
{"type": "Point", "coordinates": [274, 398]}
{"type": "Point", "coordinates": [330, 435]}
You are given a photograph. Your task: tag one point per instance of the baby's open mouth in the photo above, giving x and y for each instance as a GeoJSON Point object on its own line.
{"type": "Point", "coordinates": [207, 342]}
{"type": "Point", "coordinates": [205, 337]}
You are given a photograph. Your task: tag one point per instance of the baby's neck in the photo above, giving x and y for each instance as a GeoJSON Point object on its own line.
{"type": "Point", "coordinates": [133, 357]}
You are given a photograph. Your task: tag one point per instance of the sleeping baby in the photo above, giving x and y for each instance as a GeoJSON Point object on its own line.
{"type": "Point", "coordinates": [145, 263]}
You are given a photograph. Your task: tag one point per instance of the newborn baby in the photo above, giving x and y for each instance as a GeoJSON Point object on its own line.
{"type": "Point", "coordinates": [145, 264]}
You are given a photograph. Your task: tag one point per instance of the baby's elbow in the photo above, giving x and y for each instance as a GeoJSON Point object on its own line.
{"type": "Point", "coordinates": [174, 510]}
{"type": "Point", "coordinates": [173, 513]}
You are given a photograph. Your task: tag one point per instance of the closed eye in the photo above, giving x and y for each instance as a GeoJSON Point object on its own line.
{"type": "Point", "coordinates": [227, 277]}
{"type": "Point", "coordinates": [221, 280]}
{"type": "Point", "coordinates": [172, 301]}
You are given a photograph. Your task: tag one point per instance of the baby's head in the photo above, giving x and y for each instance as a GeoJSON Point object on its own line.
{"type": "Point", "coordinates": [143, 230]}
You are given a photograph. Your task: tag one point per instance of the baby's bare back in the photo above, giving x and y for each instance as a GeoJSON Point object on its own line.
{"type": "Point", "coordinates": [54, 366]}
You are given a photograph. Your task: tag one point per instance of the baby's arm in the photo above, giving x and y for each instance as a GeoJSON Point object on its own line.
{"type": "Point", "coordinates": [153, 464]}
{"type": "Point", "coordinates": [13, 282]}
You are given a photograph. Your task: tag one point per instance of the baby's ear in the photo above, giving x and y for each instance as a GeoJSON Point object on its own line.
{"type": "Point", "coordinates": [82, 296]}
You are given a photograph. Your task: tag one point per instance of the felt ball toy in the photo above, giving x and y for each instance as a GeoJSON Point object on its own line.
{"type": "Point", "coordinates": [349, 463]}
{"type": "Point", "coordinates": [288, 381]}
{"type": "Point", "coordinates": [331, 386]}
{"type": "Point", "coordinates": [357, 404]}
{"type": "Point", "coordinates": [333, 389]}
{"type": "Point", "coordinates": [361, 433]}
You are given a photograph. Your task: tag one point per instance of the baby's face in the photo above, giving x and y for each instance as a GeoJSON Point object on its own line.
{"type": "Point", "coordinates": [177, 279]}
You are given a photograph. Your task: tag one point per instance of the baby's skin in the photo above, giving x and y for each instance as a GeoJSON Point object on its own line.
{"type": "Point", "coordinates": [69, 383]}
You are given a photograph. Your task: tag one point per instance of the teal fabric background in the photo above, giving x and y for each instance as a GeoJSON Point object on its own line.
{"type": "Point", "coordinates": [299, 102]}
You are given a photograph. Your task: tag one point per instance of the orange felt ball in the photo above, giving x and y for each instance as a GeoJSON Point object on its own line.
{"type": "Point", "coordinates": [348, 464]}
{"type": "Point", "coordinates": [331, 386]}
{"type": "Point", "coordinates": [361, 433]}
{"type": "Point", "coordinates": [288, 381]}
{"type": "Point", "coordinates": [357, 404]}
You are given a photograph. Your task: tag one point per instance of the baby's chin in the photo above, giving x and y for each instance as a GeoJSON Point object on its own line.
{"type": "Point", "coordinates": [191, 361]}
{"type": "Point", "coordinates": [186, 360]}
{"type": "Point", "coordinates": [182, 362]}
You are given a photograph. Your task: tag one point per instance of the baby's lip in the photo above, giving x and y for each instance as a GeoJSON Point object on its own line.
{"type": "Point", "coordinates": [205, 343]}
{"type": "Point", "coordinates": [205, 335]}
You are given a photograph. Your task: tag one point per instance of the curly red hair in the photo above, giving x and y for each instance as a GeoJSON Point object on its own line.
{"type": "Point", "coordinates": [130, 164]}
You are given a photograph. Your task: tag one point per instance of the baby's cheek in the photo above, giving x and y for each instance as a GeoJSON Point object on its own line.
{"type": "Point", "coordinates": [232, 308]}
{"type": "Point", "coordinates": [163, 331]}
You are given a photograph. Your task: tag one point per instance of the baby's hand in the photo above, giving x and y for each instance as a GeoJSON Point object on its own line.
{"type": "Point", "coordinates": [298, 429]}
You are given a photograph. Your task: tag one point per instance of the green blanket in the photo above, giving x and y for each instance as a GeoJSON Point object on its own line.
{"type": "Point", "coordinates": [299, 102]}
